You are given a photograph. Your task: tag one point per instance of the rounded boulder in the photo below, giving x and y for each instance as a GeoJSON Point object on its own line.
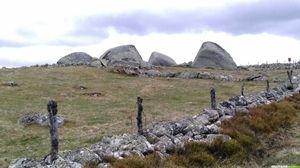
{"type": "Point", "coordinates": [122, 55]}
{"type": "Point", "coordinates": [76, 58]}
{"type": "Point", "coordinates": [159, 59]}
{"type": "Point", "coordinates": [211, 55]}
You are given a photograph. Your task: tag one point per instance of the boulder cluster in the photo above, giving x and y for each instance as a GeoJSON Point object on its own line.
{"type": "Point", "coordinates": [210, 55]}
{"type": "Point", "coordinates": [162, 137]}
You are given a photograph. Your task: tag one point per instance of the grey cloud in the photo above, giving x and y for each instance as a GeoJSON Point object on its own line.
{"type": "Point", "coordinates": [272, 16]}
{"type": "Point", "coordinates": [11, 44]}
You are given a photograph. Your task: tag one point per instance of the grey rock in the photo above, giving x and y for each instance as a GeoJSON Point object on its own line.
{"type": "Point", "coordinates": [76, 58]}
{"type": "Point", "coordinates": [165, 144]}
{"type": "Point", "coordinates": [225, 118]}
{"type": "Point", "coordinates": [58, 163]}
{"type": "Point", "coordinates": [256, 78]}
{"type": "Point", "coordinates": [96, 63]}
{"type": "Point", "coordinates": [82, 156]}
{"type": "Point", "coordinates": [159, 59]}
{"type": "Point", "coordinates": [188, 75]}
{"type": "Point", "coordinates": [204, 75]}
{"type": "Point", "coordinates": [201, 119]}
{"type": "Point", "coordinates": [10, 83]}
{"type": "Point", "coordinates": [214, 56]}
{"type": "Point", "coordinates": [239, 100]}
{"type": "Point", "coordinates": [213, 115]}
{"type": "Point", "coordinates": [122, 145]}
{"type": "Point", "coordinates": [152, 73]}
{"type": "Point", "coordinates": [186, 65]}
{"type": "Point", "coordinates": [122, 55]}
{"type": "Point", "coordinates": [241, 109]}
{"type": "Point", "coordinates": [40, 119]}
{"type": "Point", "coordinates": [169, 74]}
{"type": "Point", "coordinates": [23, 163]}
{"type": "Point", "coordinates": [213, 129]}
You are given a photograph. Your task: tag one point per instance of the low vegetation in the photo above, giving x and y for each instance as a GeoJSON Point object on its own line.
{"type": "Point", "coordinates": [256, 137]}
{"type": "Point", "coordinates": [96, 102]}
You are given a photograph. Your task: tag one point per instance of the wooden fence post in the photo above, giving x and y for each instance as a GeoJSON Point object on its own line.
{"type": "Point", "coordinates": [268, 86]}
{"type": "Point", "coordinates": [242, 89]}
{"type": "Point", "coordinates": [53, 127]}
{"type": "Point", "coordinates": [139, 117]}
{"type": "Point", "coordinates": [213, 98]}
{"type": "Point", "coordinates": [290, 74]}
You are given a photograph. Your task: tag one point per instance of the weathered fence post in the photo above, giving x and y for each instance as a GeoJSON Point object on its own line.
{"type": "Point", "coordinates": [242, 89]}
{"type": "Point", "coordinates": [268, 86]}
{"type": "Point", "coordinates": [290, 73]}
{"type": "Point", "coordinates": [213, 98]}
{"type": "Point", "coordinates": [53, 126]}
{"type": "Point", "coordinates": [139, 115]}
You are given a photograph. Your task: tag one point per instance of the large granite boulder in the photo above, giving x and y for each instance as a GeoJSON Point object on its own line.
{"type": "Point", "coordinates": [122, 55]}
{"type": "Point", "coordinates": [76, 58]}
{"type": "Point", "coordinates": [159, 59]}
{"type": "Point", "coordinates": [211, 55]}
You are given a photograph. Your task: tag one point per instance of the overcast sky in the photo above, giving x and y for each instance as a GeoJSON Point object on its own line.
{"type": "Point", "coordinates": [252, 31]}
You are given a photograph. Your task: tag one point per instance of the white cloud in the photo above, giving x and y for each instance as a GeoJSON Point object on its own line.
{"type": "Point", "coordinates": [41, 32]}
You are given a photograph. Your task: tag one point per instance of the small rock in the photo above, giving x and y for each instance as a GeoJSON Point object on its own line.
{"type": "Point", "coordinates": [40, 119]}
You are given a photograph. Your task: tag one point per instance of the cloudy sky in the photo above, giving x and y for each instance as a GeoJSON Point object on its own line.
{"type": "Point", "coordinates": [252, 31]}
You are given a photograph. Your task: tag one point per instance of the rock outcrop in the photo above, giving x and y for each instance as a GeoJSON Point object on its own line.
{"type": "Point", "coordinates": [126, 55]}
{"type": "Point", "coordinates": [159, 59]}
{"type": "Point", "coordinates": [211, 55]}
{"type": "Point", "coordinates": [76, 58]}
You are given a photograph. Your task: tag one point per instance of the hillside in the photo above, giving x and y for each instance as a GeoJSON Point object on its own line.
{"type": "Point", "coordinates": [97, 102]}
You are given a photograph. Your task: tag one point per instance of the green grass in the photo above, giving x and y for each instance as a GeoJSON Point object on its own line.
{"type": "Point", "coordinates": [90, 118]}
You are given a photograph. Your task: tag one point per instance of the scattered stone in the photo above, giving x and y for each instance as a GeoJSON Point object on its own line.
{"type": "Point", "coordinates": [256, 78]}
{"type": "Point", "coordinates": [10, 83]}
{"type": "Point", "coordinates": [76, 58]}
{"type": "Point", "coordinates": [188, 75]}
{"type": "Point", "coordinates": [82, 156]}
{"type": "Point", "coordinates": [40, 119]}
{"type": "Point", "coordinates": [93, 94]}
{"type": "Point", "coordinates": [80, 87]}
{"type": "Point", "coordinates": [159, 59]}
{"type": "Point", "coordinates": [211, 55]}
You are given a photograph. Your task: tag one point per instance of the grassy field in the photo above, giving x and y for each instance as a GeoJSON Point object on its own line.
{"type": "Point", "coordinates": [112, 111]}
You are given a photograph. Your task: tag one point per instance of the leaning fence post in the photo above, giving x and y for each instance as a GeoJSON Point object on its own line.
{"type": "Point", "coordinates": [242, 89]}
{"type": "Point", "coordinates": [268, 86]}
{"type": "Point", "coordinates": [53, 127]}
{"type": "Point", "coordinates": [213, 98]}
{"type": "Point", "coordinates": [290, 73]}
{"type": "Point", "coordinates": [139, 115]}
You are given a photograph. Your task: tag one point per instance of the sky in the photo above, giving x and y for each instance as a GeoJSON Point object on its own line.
{"type": "Point", "coordinates": [252, 31]}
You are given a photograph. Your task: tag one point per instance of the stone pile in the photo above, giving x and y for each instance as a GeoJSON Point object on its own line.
{"type": "Point", "coordinates": [161, 137]}
{"type": "Point", "coordinates": [40, 119]}
{"type": "Point", "coordinates": [274, 66]}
